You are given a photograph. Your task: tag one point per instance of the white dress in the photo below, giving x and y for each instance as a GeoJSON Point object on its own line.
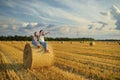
{"type": "Point", "coordinates": [41, 38]}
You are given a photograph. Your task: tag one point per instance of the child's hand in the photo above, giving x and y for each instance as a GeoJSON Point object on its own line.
{"type": "Point", "coordinates": [47, 33]}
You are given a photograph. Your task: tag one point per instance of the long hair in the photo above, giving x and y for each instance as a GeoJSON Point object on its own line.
{"type": "Point", "coordinates": [36, 35]}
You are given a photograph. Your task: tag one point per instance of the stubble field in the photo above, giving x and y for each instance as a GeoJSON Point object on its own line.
{"type": "Point", "coordinates": [72, 61]}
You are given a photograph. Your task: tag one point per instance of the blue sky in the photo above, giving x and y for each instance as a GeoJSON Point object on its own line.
{"type": "Point", "coordinates": [99, 19]}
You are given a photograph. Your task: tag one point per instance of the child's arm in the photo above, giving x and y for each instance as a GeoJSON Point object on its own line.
{"type": "Point", "coordinates": [46, 33]}
{"type": "Point", "coordinates": [35, 40]}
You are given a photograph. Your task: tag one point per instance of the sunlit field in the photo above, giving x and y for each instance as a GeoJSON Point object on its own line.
{"type": "Point", "coordinates": [72, 61]}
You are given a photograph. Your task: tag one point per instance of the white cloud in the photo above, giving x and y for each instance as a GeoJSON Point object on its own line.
{"type": "Point", "coordinates": [33, 24]}
{"type": "Point", "coordinates": [113, 17]}
{"type": "Point", "coordinates": [48, 13]}
{"type": "Point", "coordinates": [115, 14]}
{"type": "Point", "coordinates": [15, 27]}
{"type": "Point", "coordinates": [115, 10]}
{"type": "Point", "coordinates": [105, 13]}
{"type": "Point", "coordinates": [70, 17]}
{"type": "Point", "coordinates": [5, 26]}
{"type": "Point", "coordinates": [64, 29]}
{"type": "Point", "coordinates": [24, 24]}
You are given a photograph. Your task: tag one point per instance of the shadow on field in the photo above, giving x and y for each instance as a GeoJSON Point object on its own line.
{"type": "Point", "coordinates": [7, 66]}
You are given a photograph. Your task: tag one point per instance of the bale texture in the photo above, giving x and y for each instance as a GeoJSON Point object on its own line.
{"type": "Point", "coordinates": [34, 57]}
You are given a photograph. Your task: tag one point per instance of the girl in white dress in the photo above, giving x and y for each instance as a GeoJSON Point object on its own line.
{"type": "Point", "coordinates": [42, 40]}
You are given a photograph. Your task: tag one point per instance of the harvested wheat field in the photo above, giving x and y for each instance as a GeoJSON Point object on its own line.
{"type": "Point", "coordinates": [76, 61]}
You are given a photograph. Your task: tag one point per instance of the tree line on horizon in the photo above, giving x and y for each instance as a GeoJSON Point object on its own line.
{"type": "Point", "coordinates": [29, 38]}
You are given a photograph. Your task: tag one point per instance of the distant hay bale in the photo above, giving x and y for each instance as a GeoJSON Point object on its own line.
{"type": "Point", "coordinates": [57, 42]}
{"type": "Point", "coordinates": [34, 57]}
{"type": "Point", "coordinates": [83, 42]}
{"type": "Point", "coordinates": [107, 42]}
{"type": "Point", "coordinates": [118, 43]}
{"type": "Point", "coordinates": [13, 42]}
{"type": "Point", "coordinates": [92, 43]}
{"type": "Point", "coordinates": [62, 42]}
{"type": "Point", "coordinates": [71, 42]}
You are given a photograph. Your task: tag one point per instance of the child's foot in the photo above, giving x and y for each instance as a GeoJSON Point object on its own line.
{"type": "Point", "coordinates": [47, 51]}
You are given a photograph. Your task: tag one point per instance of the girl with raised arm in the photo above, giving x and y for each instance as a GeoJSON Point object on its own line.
{"type": "Point", "coordinates": [42, 40]}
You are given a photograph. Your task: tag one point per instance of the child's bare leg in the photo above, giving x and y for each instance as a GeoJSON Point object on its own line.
{"type": "Point", "coordinates": [38, 44]}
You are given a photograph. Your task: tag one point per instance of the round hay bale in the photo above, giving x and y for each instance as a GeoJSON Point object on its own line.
{"type": "Point", "coordinates": [83, 42]}
{"type": "Point", "coordinates": [80, 41]}
{"type": "Point", "coordinates": [107, 42]}
{"type": "Point", "coordinates": [118, 43]}
{"type": "Point", "coordinates": [71, 42]}
{"type": "Point", "coordinates": [34, 57]}
{"type": "Point", "coordinates": [92, 43]}
{"type": "Point", "coordinates": [62, 42]}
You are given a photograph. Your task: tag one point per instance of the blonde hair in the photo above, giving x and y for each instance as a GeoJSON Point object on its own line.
{"type": "Point", "coordinates": [35, 35]}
